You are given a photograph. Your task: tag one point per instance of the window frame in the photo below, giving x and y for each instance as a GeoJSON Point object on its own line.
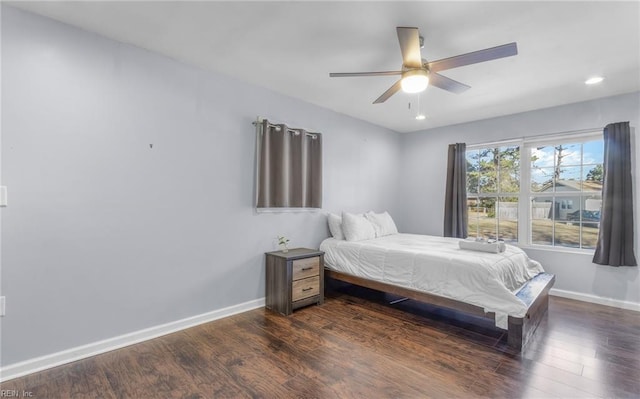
{"type": "Point", "coordinates": [526, 145]}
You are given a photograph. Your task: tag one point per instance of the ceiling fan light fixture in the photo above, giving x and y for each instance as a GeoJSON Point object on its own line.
{"type": "Point", "coordinates": [414, 81]}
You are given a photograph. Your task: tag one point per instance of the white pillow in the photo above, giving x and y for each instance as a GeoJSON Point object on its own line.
{"type": "Point", "coordinates": [356, 227]}
{"type": "Point", "coordinates": [382, 223]}
{"type": "Point", "coordinates": [335, 226]}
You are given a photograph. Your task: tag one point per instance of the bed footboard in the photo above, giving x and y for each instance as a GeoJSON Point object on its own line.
{"type": "Point", "coordinates": [535, 294]}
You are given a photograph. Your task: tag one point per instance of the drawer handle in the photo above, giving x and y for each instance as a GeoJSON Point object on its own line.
{"type": "Point", "coordinates": [307, 289]}
{"type": "Point", "coordinates": [306, 268]}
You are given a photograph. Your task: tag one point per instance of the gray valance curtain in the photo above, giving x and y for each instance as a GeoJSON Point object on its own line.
{"type": "Point", "coordinates": [455, 203]}
{"type": "Point", "coordinates": [615, 239]}
{"type": "Point", "coordinates": [289, 167]}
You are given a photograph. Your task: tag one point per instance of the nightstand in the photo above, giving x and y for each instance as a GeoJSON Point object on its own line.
{"type": "Point", "coordinates": [294, 279]}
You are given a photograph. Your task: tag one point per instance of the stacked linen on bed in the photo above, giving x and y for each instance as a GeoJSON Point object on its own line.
{"type": "Point", "coordinates": [483, 246]}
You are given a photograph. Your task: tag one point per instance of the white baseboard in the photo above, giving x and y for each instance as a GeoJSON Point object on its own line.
{"type": "Point", "coordinates": [81, 352]}
{"type": "Point", "coordinates": [616, 303]}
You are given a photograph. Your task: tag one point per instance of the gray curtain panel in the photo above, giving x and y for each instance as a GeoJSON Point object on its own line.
{"type": "Point", "coordinates": [455, 203]}
{"type": "Point", "coordinates": [615, 239]}
{"type": "Point", "coordinates": [289, 167]}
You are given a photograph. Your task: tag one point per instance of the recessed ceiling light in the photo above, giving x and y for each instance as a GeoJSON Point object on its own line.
{"type": "Point", "coordinates": [421, 117]}
{"type": "Point", "coordinates": [594, 80]}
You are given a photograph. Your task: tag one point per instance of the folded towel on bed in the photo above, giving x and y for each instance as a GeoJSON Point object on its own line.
{"type": "Point", "coordinates": [483, 246]}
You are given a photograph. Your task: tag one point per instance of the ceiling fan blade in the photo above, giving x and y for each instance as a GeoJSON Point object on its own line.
{"type": "Point", "coordinates": [445, 83]}
{"type": "Point", "coordinates": [391, 91]}
{"type": "Point", "coordinates": [506, 50]}
{"type": "Point", "coordinates": [348, 74]}
{"type": "Point", "coordinates": [409, 39]}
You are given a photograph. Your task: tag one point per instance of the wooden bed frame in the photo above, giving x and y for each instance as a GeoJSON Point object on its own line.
{"type": "Point", "coordinates": [535, 294]}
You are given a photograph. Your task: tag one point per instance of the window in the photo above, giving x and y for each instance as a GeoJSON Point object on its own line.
{"type": "Point", "coordinates": [566, 193]}
{"type": "Point", "coordinates": [553, 199]}
{"type": "Point", "coordinates": [493, 189]}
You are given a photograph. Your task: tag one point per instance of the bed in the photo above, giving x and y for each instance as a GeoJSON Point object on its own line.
{"type": "Point", "coordinates": [507, 287]}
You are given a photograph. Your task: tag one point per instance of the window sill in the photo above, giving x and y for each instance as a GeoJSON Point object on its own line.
{"type": "Point", "coordinates": [565, 250]}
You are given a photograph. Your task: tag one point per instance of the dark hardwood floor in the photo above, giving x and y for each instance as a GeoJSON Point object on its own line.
{"type": "Point", "coordinates": [356, 345]}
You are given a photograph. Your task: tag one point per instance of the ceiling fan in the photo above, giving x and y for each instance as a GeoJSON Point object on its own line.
{"type": "Point", "coordinates": [417, 72]}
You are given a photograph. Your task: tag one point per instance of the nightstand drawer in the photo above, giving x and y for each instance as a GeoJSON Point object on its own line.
{"type": "Point", "coordinates": [308, 267]}
{"type": "Point", "coordinates": [305, 288]}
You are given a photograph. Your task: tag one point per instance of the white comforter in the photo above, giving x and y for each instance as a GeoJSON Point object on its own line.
{"type": "Point", "coordinates": [438, 266]}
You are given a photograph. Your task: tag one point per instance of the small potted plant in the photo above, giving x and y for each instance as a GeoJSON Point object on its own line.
{"type": "Point", "coordinates": [283, 241]}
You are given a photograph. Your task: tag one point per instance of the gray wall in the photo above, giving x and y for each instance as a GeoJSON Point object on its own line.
{"type": "Point", "coordinates": [105, 235]}
{"type": "Point", "coordinates": [423, 182]}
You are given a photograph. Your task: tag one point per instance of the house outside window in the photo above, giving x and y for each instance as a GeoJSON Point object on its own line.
{"type": "Point", "coordinates": [554, 199]}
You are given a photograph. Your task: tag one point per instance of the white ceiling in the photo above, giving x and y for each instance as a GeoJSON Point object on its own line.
{"type": "Point", "coordinates": [290, 47]}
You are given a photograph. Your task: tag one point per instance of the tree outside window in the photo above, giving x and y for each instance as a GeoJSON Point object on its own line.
{"type": "Point", "coordinates": [493, 186]}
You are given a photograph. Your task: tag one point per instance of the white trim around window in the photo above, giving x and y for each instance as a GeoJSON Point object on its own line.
{"type": "Point", "coordinates": [525, 219]}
